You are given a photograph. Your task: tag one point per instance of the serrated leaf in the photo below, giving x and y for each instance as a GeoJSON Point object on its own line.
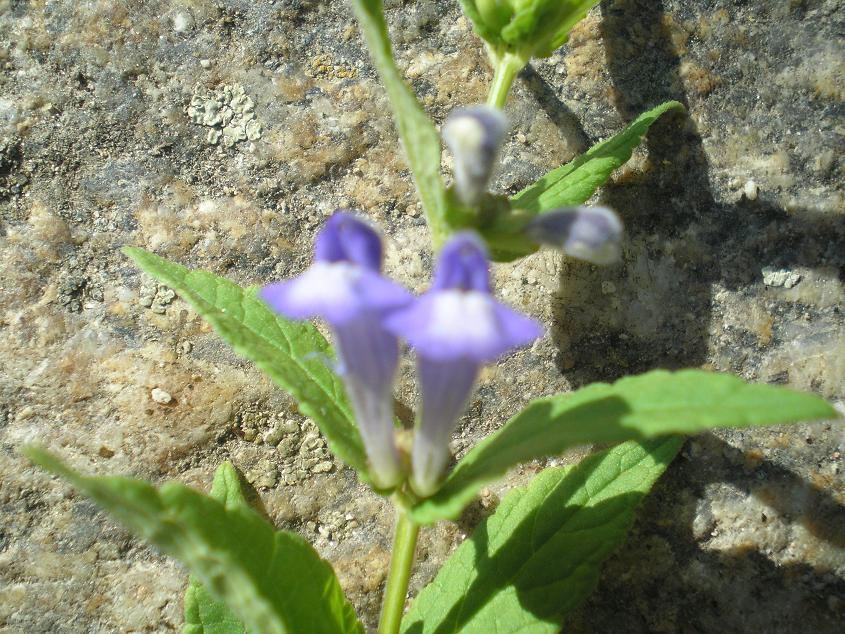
{"type": "Point", "coordinates": [272, 580]}
{"type": "Point", "coordinates": [204, 614]}
{"type": "Point", "coordinates": [292, 353]}
{"type": "Point", "coordinates": [540, 554]}
{"type": "Point", "coordinates": [653, 404]}
{"type": "Point", "coordinates": [572, 184]}
{"type": "Point", "coordinates": [418, 134]}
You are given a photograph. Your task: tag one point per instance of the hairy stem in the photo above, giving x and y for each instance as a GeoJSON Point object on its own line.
{"type": "Point", "coordinates": [404, 545]}
{"type": "Point", "coordinates": [506, 68]}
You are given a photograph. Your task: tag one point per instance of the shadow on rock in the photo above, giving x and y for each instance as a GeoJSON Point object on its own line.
{"type": "Point", "coordinates": [654, 309]}
{"type": "Point", "coordinates": [670, 577]}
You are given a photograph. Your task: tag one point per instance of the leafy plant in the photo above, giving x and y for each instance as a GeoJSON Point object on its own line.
{"type": "Point", "coordinates": [248, 576]}
{"type": "Point", "coordinates": [272, 580]}
{"type": "Point", "coordinates": [501, 579]}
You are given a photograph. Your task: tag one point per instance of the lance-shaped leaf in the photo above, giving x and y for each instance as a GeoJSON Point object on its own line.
{"type": "Point", "coordinates": [205, 614]}
{"type": "Point", "coordinates": [272, 580]}
{"type": "Point", "coordinates": [653, 404]}
{"type": "Point", "coordinates": [539, 555]}
{"type": "Point", "coordinates": [572, 184]}
{"type": "Point", "coordinates": [417, 132]}
{"type": "Point", "coordinates": [292, 353]}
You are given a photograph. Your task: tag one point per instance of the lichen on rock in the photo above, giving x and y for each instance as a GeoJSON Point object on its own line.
{"type": "Point", "coordinates": [228, 111]}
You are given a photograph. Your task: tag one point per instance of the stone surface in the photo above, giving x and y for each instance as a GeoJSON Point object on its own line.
{"type": "Point", "coordinates": [104, 141]}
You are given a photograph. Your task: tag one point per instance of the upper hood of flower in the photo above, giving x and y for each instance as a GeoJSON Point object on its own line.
{"type": "Point", "coordinates": [344, 282]}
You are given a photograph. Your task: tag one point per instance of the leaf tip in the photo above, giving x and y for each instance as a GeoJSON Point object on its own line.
{"type": "Point", "coordinates": [132, 252]}
{"type": "Point", "coordinates": [226, 476]}
{"type": "Point", "coordinates": [44, 459]}
{"type": "Point", "coordinates": [826, 410]}
{"type": "Point", "coordinates": [33, 453]}
{"type": "Point", "coordinates": [675, 105]}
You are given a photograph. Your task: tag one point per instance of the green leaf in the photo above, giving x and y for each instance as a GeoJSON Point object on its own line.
{"type": "Point", "coordinates": [226, 487]}
{"type": "Point", "coordinates": [541, 26]}
{"type": "Point", "coordinates": [204, 614]}
{"type": "Point", "coordinates": [486, 29]}
{"type": "Point", "coordinates": [418, 134]}
{"type": "Point", "coordinates": [272, 580]}
{"type": "Point", "coordinates": [292, 353]}
{"type": "Point", "coordinates": [572, 184]}
{"type": "Point", "coordinates": [653, 404]}
{"type": "Point", "coordinates": [540, 554]}
{"type": "Point", "coordinates": [577, 13]}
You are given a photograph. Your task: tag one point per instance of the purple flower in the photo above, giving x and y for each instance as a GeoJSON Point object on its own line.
{"type": "Point", "coordinates": [474, 136]}
{"type": "Point", "coordinates": [593, 234]}
{"type": "Point", "coordinates": [344, 286]}
{"type": "Point", "coordinates": [455, 328]}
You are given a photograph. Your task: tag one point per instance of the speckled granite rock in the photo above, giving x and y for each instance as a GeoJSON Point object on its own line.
{"type": "Point", "coordinates": [116, 128]}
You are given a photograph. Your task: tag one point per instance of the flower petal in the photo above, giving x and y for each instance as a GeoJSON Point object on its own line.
{"type": "Point", "coordinates": [382, 294]}
{"type": "Point", "coordinates": [367, 351]}
{"type": "Point", "coordinates": [336, 292]}
{"type": "Point", "coordinates": [463, 264]}
{"type": "Point", "coordinates": [446, 388]}
{"type": "Point", "coordinates": [370, 356]}
{"type": "Point", "coordinates": [515, 329]}
{"type": "Point", "coordinates": [347, 238]}
{"type": "Point", "coordinates": [323, 290]}
{"type": "Point", "coordinates": [450, 325]}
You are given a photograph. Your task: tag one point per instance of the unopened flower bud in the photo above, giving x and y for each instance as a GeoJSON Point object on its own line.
{"type": "Point", "coordinates": [474, 136]}
{"type": "Point", "coordinates": [495, 13]}
{"type": "Point", "coordinates": [593, 234]}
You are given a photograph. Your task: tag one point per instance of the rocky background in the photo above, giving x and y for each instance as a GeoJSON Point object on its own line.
{"type": "Point", "coordinates": [221, 133]}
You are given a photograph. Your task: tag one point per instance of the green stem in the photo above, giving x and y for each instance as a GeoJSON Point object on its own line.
{"type": "Point", "coordinates": [404, 545]}
{"type": "Point", "coordinates": [506, 68]}
{"type": "Point", "coordinates": [438, 229]}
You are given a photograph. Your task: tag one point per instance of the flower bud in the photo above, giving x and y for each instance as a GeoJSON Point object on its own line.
{"type": "Point", "coordinates": [474, 136]}
{"type": "Point", "coordinates": [593, 234]}
{"type": "Point", "coordinates": [494, 13]}
{"type": "Point", "coordinates": [526, 28]}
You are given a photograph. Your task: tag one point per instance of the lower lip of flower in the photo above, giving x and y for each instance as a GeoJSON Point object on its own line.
{"type": "Point", "coordinates": [460, 315]}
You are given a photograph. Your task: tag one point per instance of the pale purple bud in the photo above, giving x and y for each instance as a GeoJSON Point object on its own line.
{"type": "Point", "coordinates": [593, 234]}
{"type": "Point", "coordinates": [455, 328]}
{"type": "Point", "coordinates": [474, 136]}
{"type": "Point", "coordinates": [344, 286]}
